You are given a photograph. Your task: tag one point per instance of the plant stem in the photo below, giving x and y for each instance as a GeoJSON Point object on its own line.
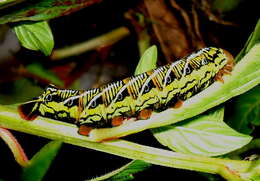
{"type": "Point", "coordinates": [7, 3]}
{"type": "Point", "coordinates": [15, 147]}
{"type": "Point", "coordinates": [67, 133]}
{"type": "Point", "coordinates": [111, 174]}
{"type": "Point", "coordinates": [105, 39]}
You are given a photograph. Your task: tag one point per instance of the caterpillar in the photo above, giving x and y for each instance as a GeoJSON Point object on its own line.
{"type": "Point", "coordinates": [137, 96]}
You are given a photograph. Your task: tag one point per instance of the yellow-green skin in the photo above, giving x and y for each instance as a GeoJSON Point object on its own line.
{"type": "Point", "coordinates": [157, 89]}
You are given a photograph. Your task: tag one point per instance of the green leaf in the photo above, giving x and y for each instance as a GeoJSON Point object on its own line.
{"type": "Point", "coordinates": [39, 70]}
{"type": "Point", "coordinates": [247, 111]}
{"type": "Point", "coordinates": [126, 172]}
{"type": "Point", "coordinates": [41, 161]}
{"type": "Point", "coordinates": [35, 36]}
{"type": "Point", "coordinates": [147, 61]}
{"type": "Point", "coordinates": [130, 169]}
{"type": "Point", "coordinates": [254, 171]}
{"type": "Point", "coordinates": [43, 10]}
{"type": "Point", "coordinates": [253, 39]}
{"type": "Point", "coordinates": [205, 135]}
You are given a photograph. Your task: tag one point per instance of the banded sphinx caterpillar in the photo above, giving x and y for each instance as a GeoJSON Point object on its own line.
{"type": "Point", "coordinates": [137, 96]}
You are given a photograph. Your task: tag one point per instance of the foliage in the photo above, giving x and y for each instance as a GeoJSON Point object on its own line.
{"type": "Point", "coordinates": [247, 109]}
{"type": "Point", "coordinates": [198, 135]}
{"type": "Point", "coordinates": [39, 164]}
{"type": "Point", "coordinates": [147, 61]}
{"type": "Point", "coordinates": [126, 172]}
{"type": "Point", "coordinates": [35, 36]}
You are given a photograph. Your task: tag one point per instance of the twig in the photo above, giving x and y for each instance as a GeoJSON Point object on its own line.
{"type": "Point", "coordinates": [108, 38]}
{"type": "Point", "coordinates": [8, 3]}
{"type": "Point", "coordinates": [173, 40]}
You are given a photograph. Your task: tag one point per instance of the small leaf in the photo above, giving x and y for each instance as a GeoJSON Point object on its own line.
{"type": "Point", "coordinates": [41, 161]}
{"type": "Point", "coordinates": [147, 61]}
{"type": "Point", "coordinates": [205, 135]}
{"type": "Point", "coordinates": [39, 70]}
{"type": "Point", "coordinates": [35, 36]}
{"type": "Point", "coordinates": [247, 111]}
{"type": "Point", "coordinates": [126, 172]}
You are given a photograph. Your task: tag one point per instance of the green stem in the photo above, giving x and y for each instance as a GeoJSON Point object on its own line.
{"type": "Point", "coordinates": [67, 133]}
{"type": "Point", "coordinates": [15, 147]}
{"type": "Point", "coordinates": [113, 173]}
{"type": "Point", "coordinates": [144, 39]}
{"type": "Point", "coordinates": [105, 39]}
{"type": "Point", "coordinates": [143, 42]}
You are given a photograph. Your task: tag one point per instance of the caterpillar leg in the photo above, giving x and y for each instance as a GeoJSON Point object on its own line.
{"type": "Point", "coordinates": [226, 70]}
{"type": "Point", "coordinates": [219, 78]}
{"type": "Point", "coordinates": [145, 114]}
{"type": "Point", "coordinates": [117, 121]}
{"type": "Point", "coordinates": [178, 104]}
{"type": "Point", "coordinates": [84, 130]}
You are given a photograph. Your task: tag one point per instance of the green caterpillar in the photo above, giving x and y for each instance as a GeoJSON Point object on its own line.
{"type": "Point", "coordinates": [136, 96]}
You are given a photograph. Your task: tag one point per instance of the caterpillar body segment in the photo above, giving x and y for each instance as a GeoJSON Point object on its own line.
{"type": "Point", "coordinates": [136, 96]}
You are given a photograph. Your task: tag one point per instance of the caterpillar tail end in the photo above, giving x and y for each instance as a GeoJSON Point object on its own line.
{"type": "Point", "coordinates": [26, 111]}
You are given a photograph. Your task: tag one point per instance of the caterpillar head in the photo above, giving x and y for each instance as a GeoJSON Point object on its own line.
{"type": "Point", "coordinates": [54, 103]}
